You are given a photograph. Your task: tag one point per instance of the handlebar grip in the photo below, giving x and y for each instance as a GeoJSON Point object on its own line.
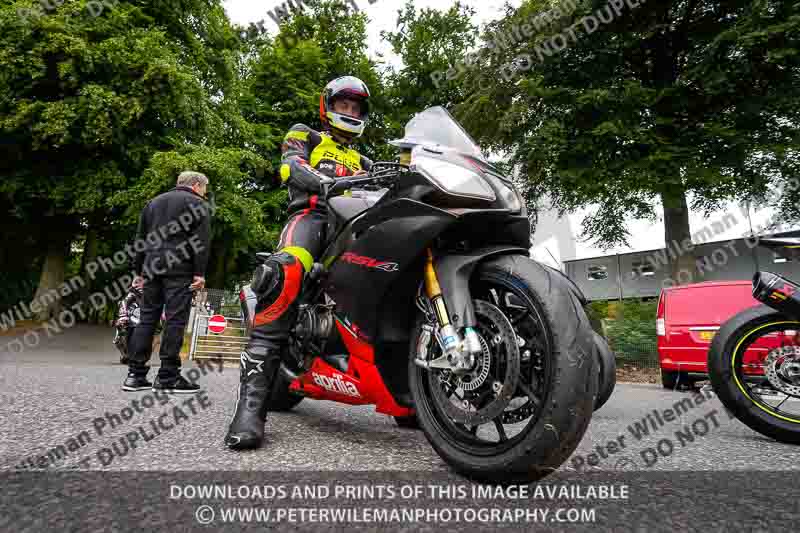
{"type": "Point", "coordinates": [340, 186]}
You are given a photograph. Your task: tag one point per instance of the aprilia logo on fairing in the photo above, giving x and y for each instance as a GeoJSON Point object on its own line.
{"type": "Point", "coordinates": [336, 384]}
{"type": "Point", "coordinates": [369, 262]}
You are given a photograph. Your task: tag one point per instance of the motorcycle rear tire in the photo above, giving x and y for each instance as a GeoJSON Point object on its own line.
{"type": "Point", "coordinates": [607, 371]}
{"type": "Point", "coordinates": [721, 372]}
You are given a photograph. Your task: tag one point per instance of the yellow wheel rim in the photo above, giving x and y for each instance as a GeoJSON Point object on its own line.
{"type": "Point", "coordinates": [741, 386]}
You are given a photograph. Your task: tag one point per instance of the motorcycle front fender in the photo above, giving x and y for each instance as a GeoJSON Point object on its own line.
{"type": "Point", "coordinates": [454, 273]}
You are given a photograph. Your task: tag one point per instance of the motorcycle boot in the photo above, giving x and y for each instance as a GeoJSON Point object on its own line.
{"type": "Point", "coordinates": [277, 284]}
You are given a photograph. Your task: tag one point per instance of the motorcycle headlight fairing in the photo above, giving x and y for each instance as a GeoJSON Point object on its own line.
{"type": "Point", "coordinates": [508, 194]}
{"type": "Point", "coordinates": [451, 178]}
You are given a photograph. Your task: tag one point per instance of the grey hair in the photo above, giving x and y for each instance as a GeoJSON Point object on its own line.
{"type": "Point", "coordinates": [190, 178]}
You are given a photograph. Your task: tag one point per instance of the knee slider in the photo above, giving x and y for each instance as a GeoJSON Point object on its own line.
{"type": "Point", "coordinates": [267, 278]}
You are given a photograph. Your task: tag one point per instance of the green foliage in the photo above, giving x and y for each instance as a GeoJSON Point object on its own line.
{"type": "Point", "coordinates": [669, 98]}
{"type": "Point", "coordinates": [630, 328]}
{"type": "Point", "coordinates": [428, 41]}
{"type": "Point", "coordinates": [86, 102]}
{"type": "Point", "coordinates": [327, 41]}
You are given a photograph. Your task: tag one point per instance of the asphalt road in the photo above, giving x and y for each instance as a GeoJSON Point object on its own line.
{"type": "Point", "coordinates": [54, 396]}
{"type": "Point", "coordinates": [49, 395]}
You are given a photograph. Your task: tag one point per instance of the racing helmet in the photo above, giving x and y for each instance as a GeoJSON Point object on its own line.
{"type": "Point", "coordinates": [344, 87]}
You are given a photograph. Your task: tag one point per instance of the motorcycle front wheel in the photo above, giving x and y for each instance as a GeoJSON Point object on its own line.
{"type": "Point", "coordinates": [525, 406]}
{"type": "Point", "coordinates": [754, 368]}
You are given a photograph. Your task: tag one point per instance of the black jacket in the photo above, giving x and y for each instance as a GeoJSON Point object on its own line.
{"type": "Point", "coordinates": [174, 235]}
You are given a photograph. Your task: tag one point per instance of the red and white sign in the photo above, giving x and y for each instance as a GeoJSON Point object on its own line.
{"type": "Point", "coordinates": [217, 324]}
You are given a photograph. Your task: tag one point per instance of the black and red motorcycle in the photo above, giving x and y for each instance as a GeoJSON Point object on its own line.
{"type": "Point", "coordinates": [427, 305]}
{"type": "Point", "coordinates": [754, 359]}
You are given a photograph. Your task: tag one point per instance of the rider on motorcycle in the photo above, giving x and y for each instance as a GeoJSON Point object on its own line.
{"type": "Point", "coordinates": [308, 156]}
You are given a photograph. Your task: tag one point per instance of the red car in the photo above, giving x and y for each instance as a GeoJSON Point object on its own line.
{"type": "Point", "coordinates": [687, 319]}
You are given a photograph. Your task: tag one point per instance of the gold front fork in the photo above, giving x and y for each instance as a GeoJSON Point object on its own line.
{"type": "Point", "coordinates": [452, 342]}
{"type": "Point", "coordinates": [435, 292]}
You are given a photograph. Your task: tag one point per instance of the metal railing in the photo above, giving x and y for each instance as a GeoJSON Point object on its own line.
{"type": "Point", "coordinates": [227, 345]}
{"type": "Point", "coordinates": [218, 302]}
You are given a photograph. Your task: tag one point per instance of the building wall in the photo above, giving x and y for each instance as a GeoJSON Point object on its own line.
{"type": "Point", "coordinates": [727, 260]}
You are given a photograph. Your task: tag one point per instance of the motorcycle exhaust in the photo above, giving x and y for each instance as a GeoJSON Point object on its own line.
{"type": "Point", "coordinates": [777, 292]}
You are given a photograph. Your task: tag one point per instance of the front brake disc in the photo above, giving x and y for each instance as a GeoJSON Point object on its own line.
{"type": "Point", "coordinates": [505, 340]}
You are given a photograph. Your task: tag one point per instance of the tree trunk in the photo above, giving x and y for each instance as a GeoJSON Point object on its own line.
{"type": "Point", "coordinates": [89, 256]}
{"type": "Point", "coordinates": [217, 278]}
{"type": "Point", "coordinates": [678, 238]}
{"type": "Point", "coordinates": [230, 264]}
{"type": "Point", "coordinates": [48, 294]}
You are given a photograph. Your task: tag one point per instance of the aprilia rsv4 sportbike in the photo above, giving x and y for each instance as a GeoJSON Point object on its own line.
{"type": "Point", "coordinates": [754, 359]}
{"type": "Point", "coordinates": [426, 304]}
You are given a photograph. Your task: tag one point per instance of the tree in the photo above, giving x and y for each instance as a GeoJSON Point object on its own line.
{"type": "Point", "coordinates": [284, 79]}
{"type": "Point", "coordinates": [87, 100]}
{"type": "Point", "coordinates": [428, 42]}
{"type": "Point", "coordinates": [655, 102]}
{"type": "Point", "coordinates": [237, 227]}
{"type": "Point", "coordinates": [325, 41]}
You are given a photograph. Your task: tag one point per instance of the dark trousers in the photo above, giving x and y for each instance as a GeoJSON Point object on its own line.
{"type": "Point", "coordinates": [172, 292]}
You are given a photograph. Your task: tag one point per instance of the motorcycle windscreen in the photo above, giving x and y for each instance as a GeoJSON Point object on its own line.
{"type": "Point", "coordinates": [373, 252]}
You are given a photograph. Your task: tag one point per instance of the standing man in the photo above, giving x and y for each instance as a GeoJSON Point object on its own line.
{"type": "Point", "coordinates": [174, 235]}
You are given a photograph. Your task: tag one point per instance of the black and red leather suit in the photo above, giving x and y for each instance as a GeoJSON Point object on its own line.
{"type": "Point", "coordinates": [308, 155]}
